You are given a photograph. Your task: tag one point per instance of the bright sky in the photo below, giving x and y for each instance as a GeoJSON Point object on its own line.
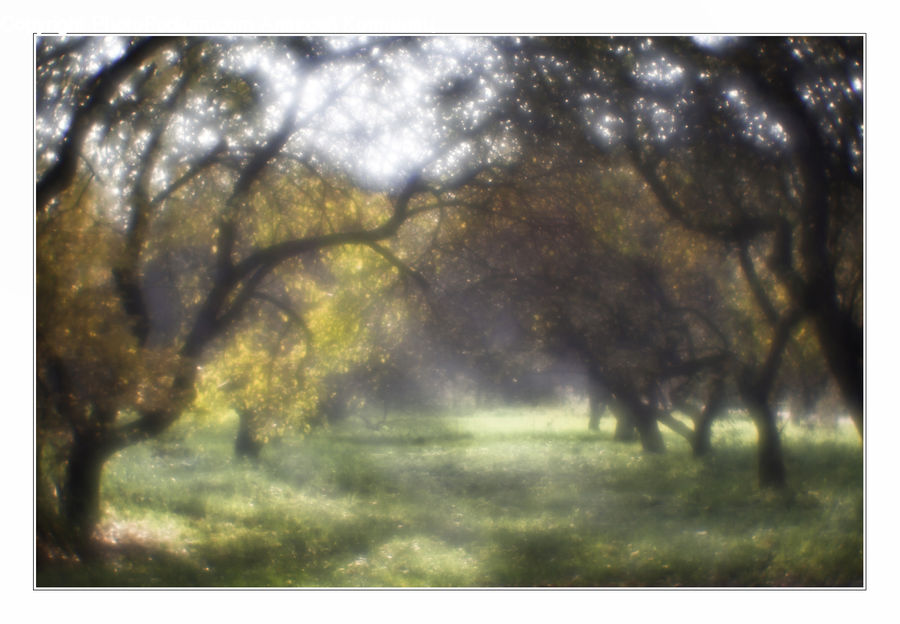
{"type": "Point", "coordinates": [377, 117]}
{"type": "Point", "coordinates": [387, 114]}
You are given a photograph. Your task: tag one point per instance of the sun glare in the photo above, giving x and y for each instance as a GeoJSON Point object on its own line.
{"type": "Point", "coordinates": [378, 117]}
{"type": "Point", "coordinates": [713, 42]}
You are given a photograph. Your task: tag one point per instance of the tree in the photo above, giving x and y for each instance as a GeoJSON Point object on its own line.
{"type": "Point", "coordinates": [175, 212]}
{"type": "Point", "coordinates": [756, 145]}
{"type": "Point", "coordinates": [777, 167]}
{"type": "Point", "coordinates": [779, 160]}
{"type": "Point", "coordinates": [570, 258]}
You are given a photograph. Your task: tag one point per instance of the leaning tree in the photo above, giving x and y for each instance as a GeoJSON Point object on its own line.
{"type": "Point", "coordinates": [189, 191]}
{"type": "Point", "coordinates": [756, 145]}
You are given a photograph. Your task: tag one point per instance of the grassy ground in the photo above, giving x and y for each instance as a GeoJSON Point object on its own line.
{"type": "Point", "coordinates": [493, 499]}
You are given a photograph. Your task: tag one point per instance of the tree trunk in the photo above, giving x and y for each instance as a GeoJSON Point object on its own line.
{"type": "Point", "coordinates": [595, 407]}
{"type": "Point", "coordinates": [624, 429]}
{"type": "Point", "coordinates": [702, 440]}
{"type": "Point", "coordinates": [633, 415]}
{"type": "Point", "coordinates": [648, 429]}
{"type": "Point", "coordinates": [842, 345]}
{"type": "Point", "coordinates": [81, 488]}
{"type": "Point", "coordinates": [770, 457]}
{"type": "Point", "coordinates": [246, 444]}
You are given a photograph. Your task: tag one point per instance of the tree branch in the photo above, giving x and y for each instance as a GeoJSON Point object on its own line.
{"type": "Point", "coordinates": [675, 425]}
{"type": "Point", "coordinates": [404, 268]}
{"type": "Point", "coordinates": [759, 292]}
{"type": "Point", "coordinates": [212, 319]}
{"type": "Point", "coordinates": [98, 95]}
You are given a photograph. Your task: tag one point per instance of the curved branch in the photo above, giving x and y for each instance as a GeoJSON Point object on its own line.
{"type": "Point", "coordinates": [292, 315]}
{"type": "Point", "coordinates": [759, 292]}
{"type": "Point", "coordinates": [99, 93]}
{"type": "Point", "coordinates": [404, 268]}
{"type": "Point", "coordinates": [213, 317]}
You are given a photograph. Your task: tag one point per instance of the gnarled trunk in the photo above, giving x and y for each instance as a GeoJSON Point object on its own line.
{"type": "Point", "coordinates": [634, 416]}
{"type": "Point", "coordinates": [701, 443]}
{"type": "Point", "coordinates": [648, 429]}
{"type": "Point", "coordinates": [625, 431]}
{"type": "Point", "coordinates": [770, 458]}
{"type": "Point", "coordinates": [81, 487]}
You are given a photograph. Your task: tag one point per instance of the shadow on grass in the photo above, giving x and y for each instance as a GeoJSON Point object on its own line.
{"type": "Point", "coordinates": [572, 558]}
{"type": "Point", "coordinates": [261, 551]}
{"type": "Point", "coordinates": [132, 564]}
{"type": "Point", "coordinates": [517, 507]}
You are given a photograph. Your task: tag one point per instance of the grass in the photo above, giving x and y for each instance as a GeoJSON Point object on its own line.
{"type": "Point", "coordinates": [502, 498]}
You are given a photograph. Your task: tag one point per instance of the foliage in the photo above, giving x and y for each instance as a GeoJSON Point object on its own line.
{"type": "Point", "coordinates": [166, 253]}
{"type": "Point", "coordinates": [281, 375]}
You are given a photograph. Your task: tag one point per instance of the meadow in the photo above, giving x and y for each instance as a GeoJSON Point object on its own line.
{"type": "Point", "coordinates": [491, 498]}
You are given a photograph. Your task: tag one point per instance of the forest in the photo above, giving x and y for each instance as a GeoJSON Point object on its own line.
{"type": "Point", "coordinates": [434, 311]}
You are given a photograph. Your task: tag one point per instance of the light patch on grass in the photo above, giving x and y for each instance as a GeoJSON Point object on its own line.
{"type": "Point", "coordinates": [507, 497]}
{"type": "Point", "coordinates": [410, 561]}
